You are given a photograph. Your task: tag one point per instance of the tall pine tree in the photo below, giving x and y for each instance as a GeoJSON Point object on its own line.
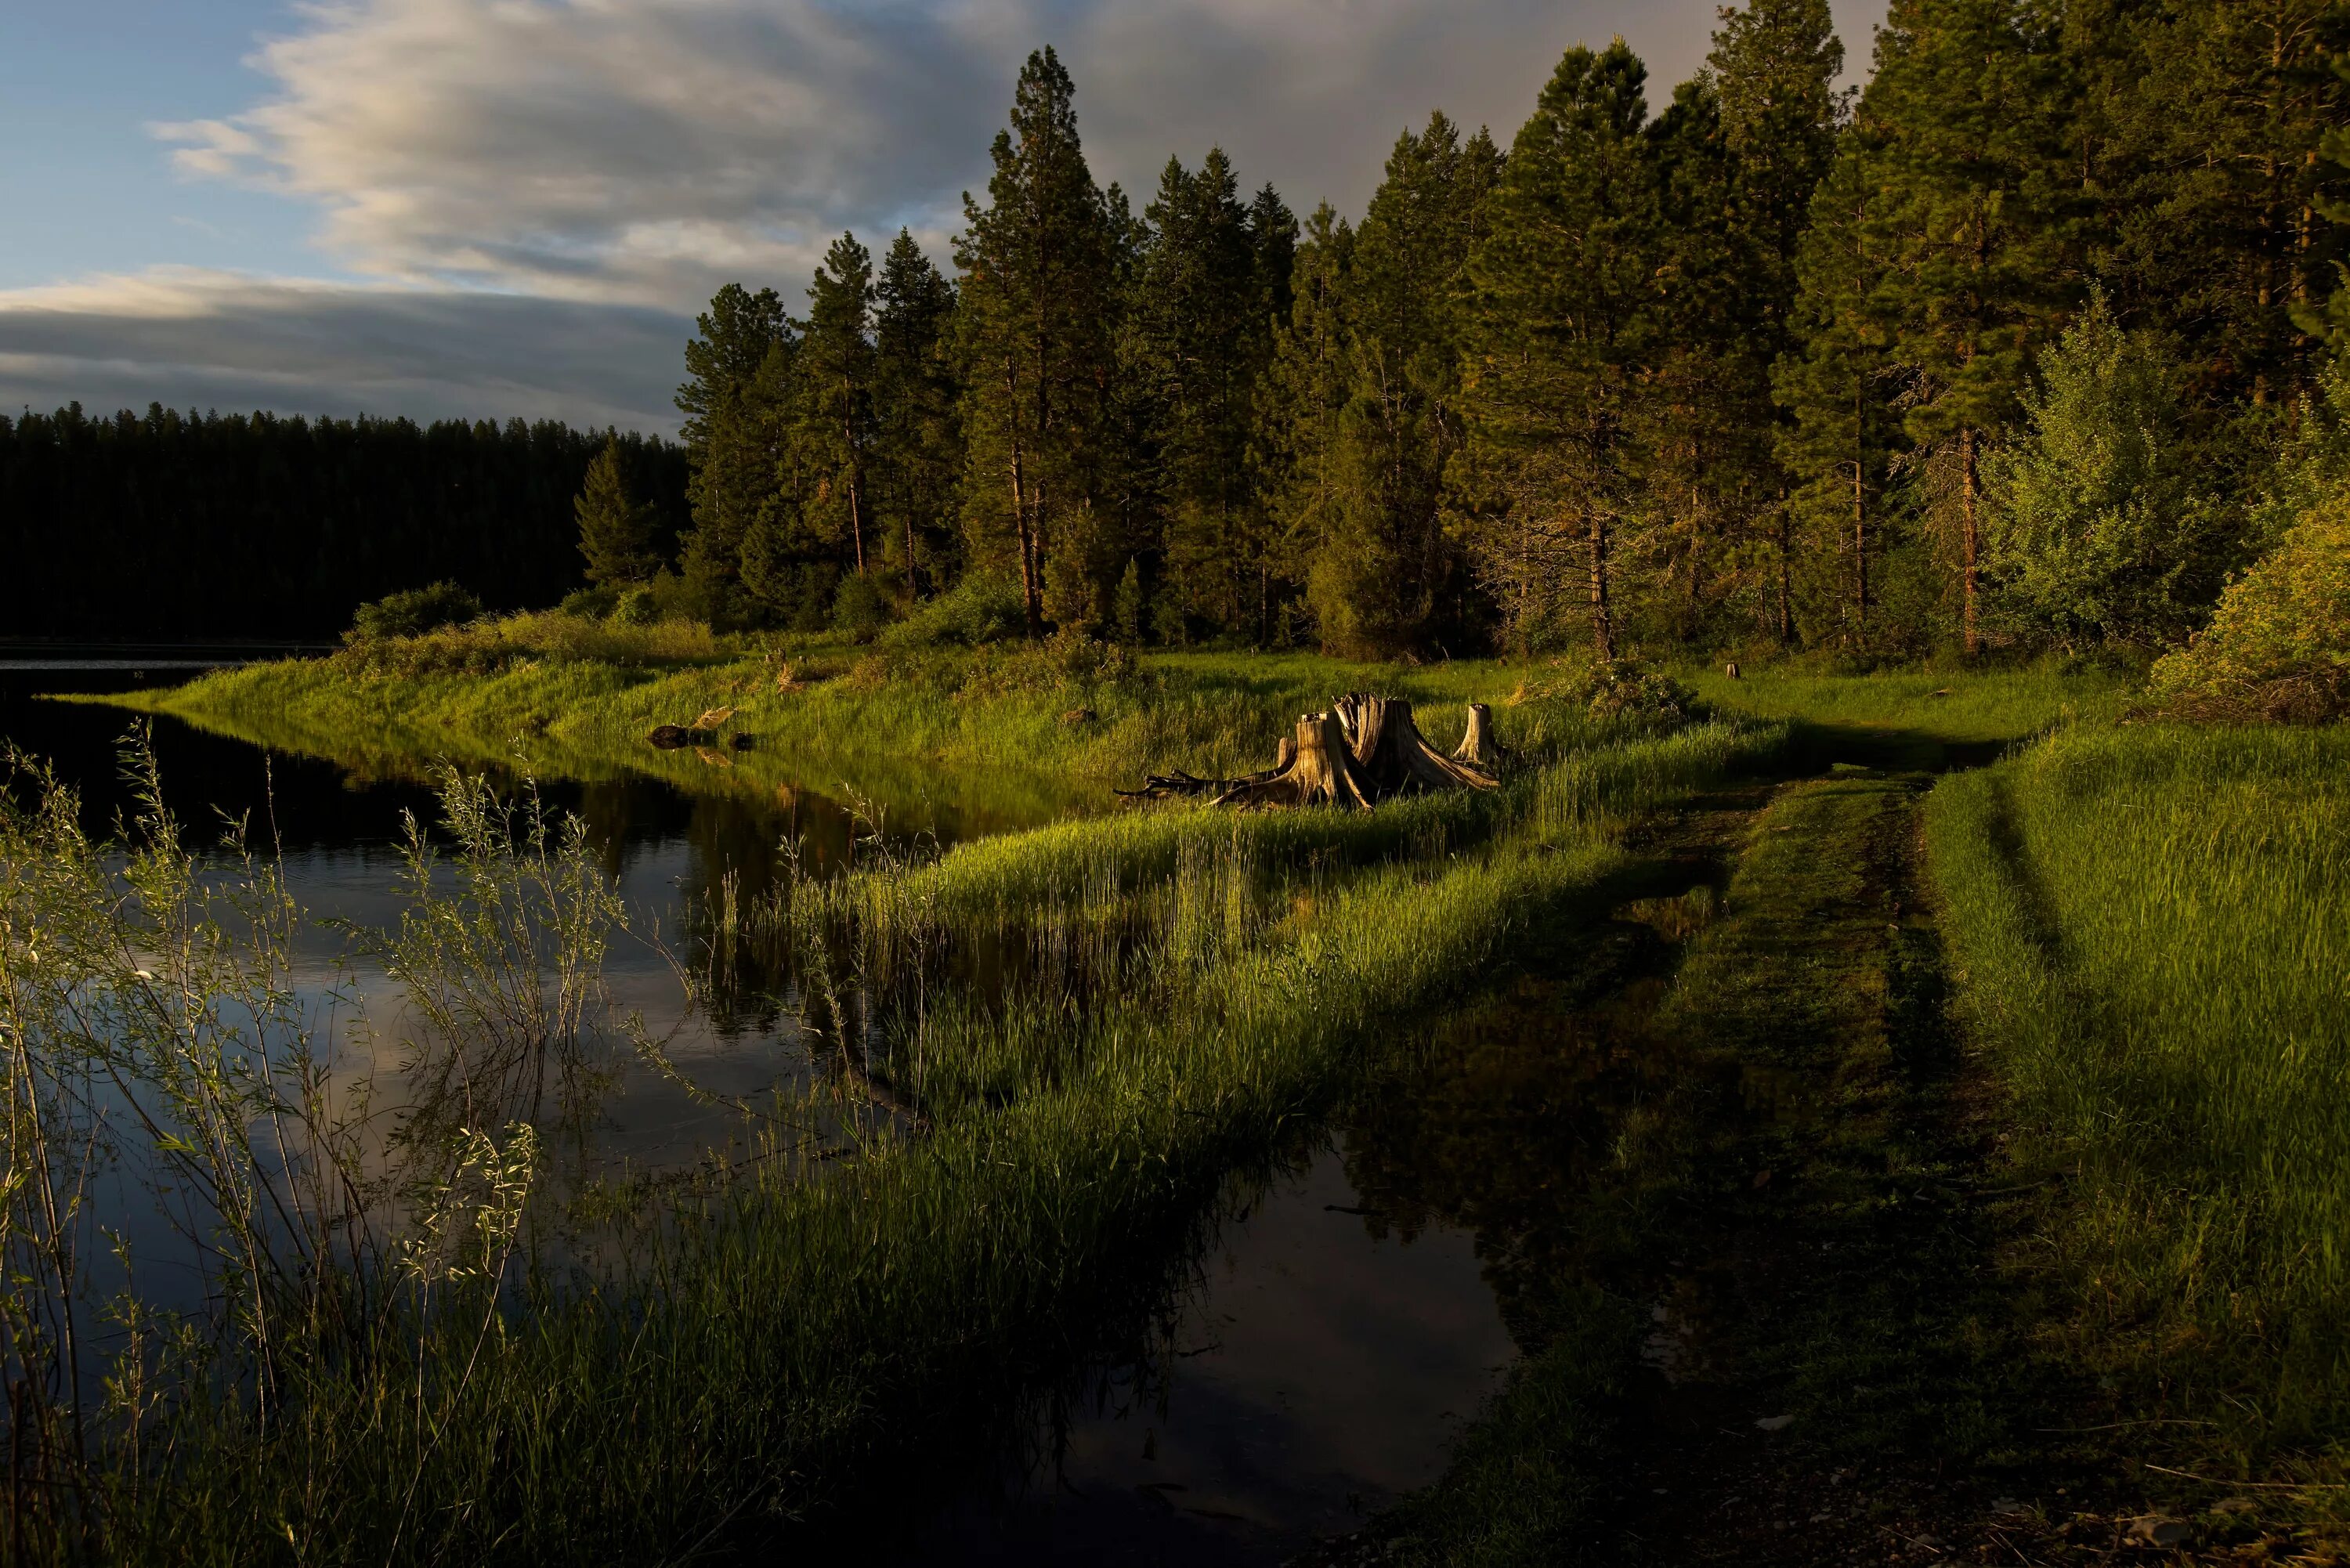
{"type": "Point", "coordinates": [615, 534]}
{"type": "Point", "coordinates": [1967, 113]}
{"type": "Point", "coordinates": [1038, 266]}
{"type": "Point", "coordinates": [1556, 342]}
{"type": "Point", "coordinates": [917, 438]}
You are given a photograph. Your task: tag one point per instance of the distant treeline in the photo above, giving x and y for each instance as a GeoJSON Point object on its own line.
{"type": "Point", "coordinates": [251, 526]}
{"type": "Point", "coordinates": [2022, 343]}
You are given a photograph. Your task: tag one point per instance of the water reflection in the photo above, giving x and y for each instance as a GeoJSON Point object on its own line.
{"type": "Point", "coordinates": [688, 852]}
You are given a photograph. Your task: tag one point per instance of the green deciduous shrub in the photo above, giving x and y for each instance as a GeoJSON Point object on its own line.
{"type": "Point", "coordinates": [415, 612]}
{"type": "Point", "coordinates": [2279, 645]}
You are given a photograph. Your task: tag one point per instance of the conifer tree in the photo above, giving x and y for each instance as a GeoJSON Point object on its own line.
{"type": "Point", "coordinates": [836, 375]}
{"type": "Point", "coordinates": [1965, 111]}
{"type": "Point", "coordinates": [739, 370]}
{"type": "Point", "coordinates": [1840, 387]}
{"type": "Point", "coordinates": [917, 440]}
{"type": "Point", "coordinates": [2198, 125]}
{"type": "Point", "coordinates": [1195, 346]}
{"type": "Point", "coordinates": [1386, 575]}
{"type": "Point", "coordinates": [1300, 401]}
{"type": "Point", "coordinates": [1038, 295]}
{"type": "Point", "coordinates": [1559, 299]}
{"type": "Point", "coordinates": [615, 534]}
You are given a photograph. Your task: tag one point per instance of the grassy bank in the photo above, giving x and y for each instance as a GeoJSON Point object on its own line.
{"type": "Point", "coordinates": [2151, 927]}
{"type": "Point", "coordinates": [1070, 708]}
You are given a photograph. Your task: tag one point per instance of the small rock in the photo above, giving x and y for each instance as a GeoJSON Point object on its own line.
{"type": "Point", "coordinates": [1776, 1423]}
{"type": "Point", "coordinates": [2006, 1505]}
{"type": "Point", "coordinates": [2153, 1530]}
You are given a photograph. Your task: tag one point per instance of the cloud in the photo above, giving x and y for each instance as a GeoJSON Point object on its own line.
{"type": "Point", "coordinates": [230, 341]}
{"type": "Point", "coordinates": [647, 150]}
{"type": "Point", "coordinates": [542, 192]}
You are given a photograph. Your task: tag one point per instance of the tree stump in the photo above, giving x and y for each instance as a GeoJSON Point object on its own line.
{"type": "Point", "coordinates": [1362, 751]}
{"type": "Point", "coordinates": [1320, 767]}
{"type": "Point", "coordinates": [1392, 753]}
{"type": "Point", "coordinates": [1478, 748]}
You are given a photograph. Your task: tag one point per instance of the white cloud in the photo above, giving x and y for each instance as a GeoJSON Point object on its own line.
{"type": "Point", "coordinates": [229, 341]}
{"type": "Point", "coordinates": [647, 150]}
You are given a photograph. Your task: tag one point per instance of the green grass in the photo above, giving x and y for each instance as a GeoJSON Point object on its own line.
{"type": "Point", "coordinates": [2152, 930]}
{"type": "Point", "coordinates": [2002, 705]}
{"type": "Point", "coordinates": [757, 1344]}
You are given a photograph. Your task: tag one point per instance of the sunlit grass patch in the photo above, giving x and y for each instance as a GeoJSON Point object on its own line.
{"type": "Point", "coordinates": [2151, 927]}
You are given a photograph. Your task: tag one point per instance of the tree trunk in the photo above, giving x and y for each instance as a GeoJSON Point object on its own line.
{"type": "Point", "coordinates": [856, 494]}
{"type": "Point", "coordinates": [1602, 629]}
{"type": "Point", "coordinates": [1031, 602]}
{"type": "Point", "coordinates": [1971, 581]}
{"type": "Point", "coordinates": [1859, 552]}
{"type": "Point", "coordinates": [1787, 576]}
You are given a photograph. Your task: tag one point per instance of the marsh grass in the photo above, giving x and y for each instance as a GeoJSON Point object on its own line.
{"type": "Point", "coordinates": [2152, 930]}
{"type": "Point", "coordinates": [1000, 1167]}
{"type": "Point", "coordinates": [176, 1108]}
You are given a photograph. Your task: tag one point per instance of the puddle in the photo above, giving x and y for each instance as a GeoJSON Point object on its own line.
{"type": "Point", "coordinates": [1318, 1368]}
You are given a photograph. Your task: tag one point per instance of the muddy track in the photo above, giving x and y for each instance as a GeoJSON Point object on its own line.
{"type": "Point", "coordinates": [1767, 1139]}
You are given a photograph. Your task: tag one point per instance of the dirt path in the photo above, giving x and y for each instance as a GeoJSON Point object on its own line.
{"type": "Point", "coordinates": [1843, 1365]}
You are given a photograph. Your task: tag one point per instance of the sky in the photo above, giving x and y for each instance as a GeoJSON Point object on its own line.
{"type": "Point", "coordinates": [492, 208]}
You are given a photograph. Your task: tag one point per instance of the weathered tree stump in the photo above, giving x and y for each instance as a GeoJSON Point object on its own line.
{"type": "Point", "coordinates": [1321, 768]}
{"type": "Point", "coordinates": [1392, 753]}
{"type": "Point", "coordinates": [1478, 748]}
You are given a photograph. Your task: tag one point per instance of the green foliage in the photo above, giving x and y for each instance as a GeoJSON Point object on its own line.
{"type": "Point", "coordinates": [859, 610]}
{"type": "Point", "coordinates": [1038, 303]}
{"type": "Point", "coordinates": [981, 608]}
{"type": "Point", "coordinates": [414, 612]}
{"type": "Point", "coordinates": [593, 604]}
{"type": "Point", "coordinates": [1629, 689]}
{"type": "Point", "coordinates": [2279, 643]}
{"type": "Point", "coordinates": [1385, 576]}
{"type": "Point", "coordinates": [1569, 242]}
{"type": "Point", "coordinates": [1126, 608]}
{"type": "Point", "coordinates": [2099, 521]}
{"type": "Point", "coordinates": [615, 534]}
